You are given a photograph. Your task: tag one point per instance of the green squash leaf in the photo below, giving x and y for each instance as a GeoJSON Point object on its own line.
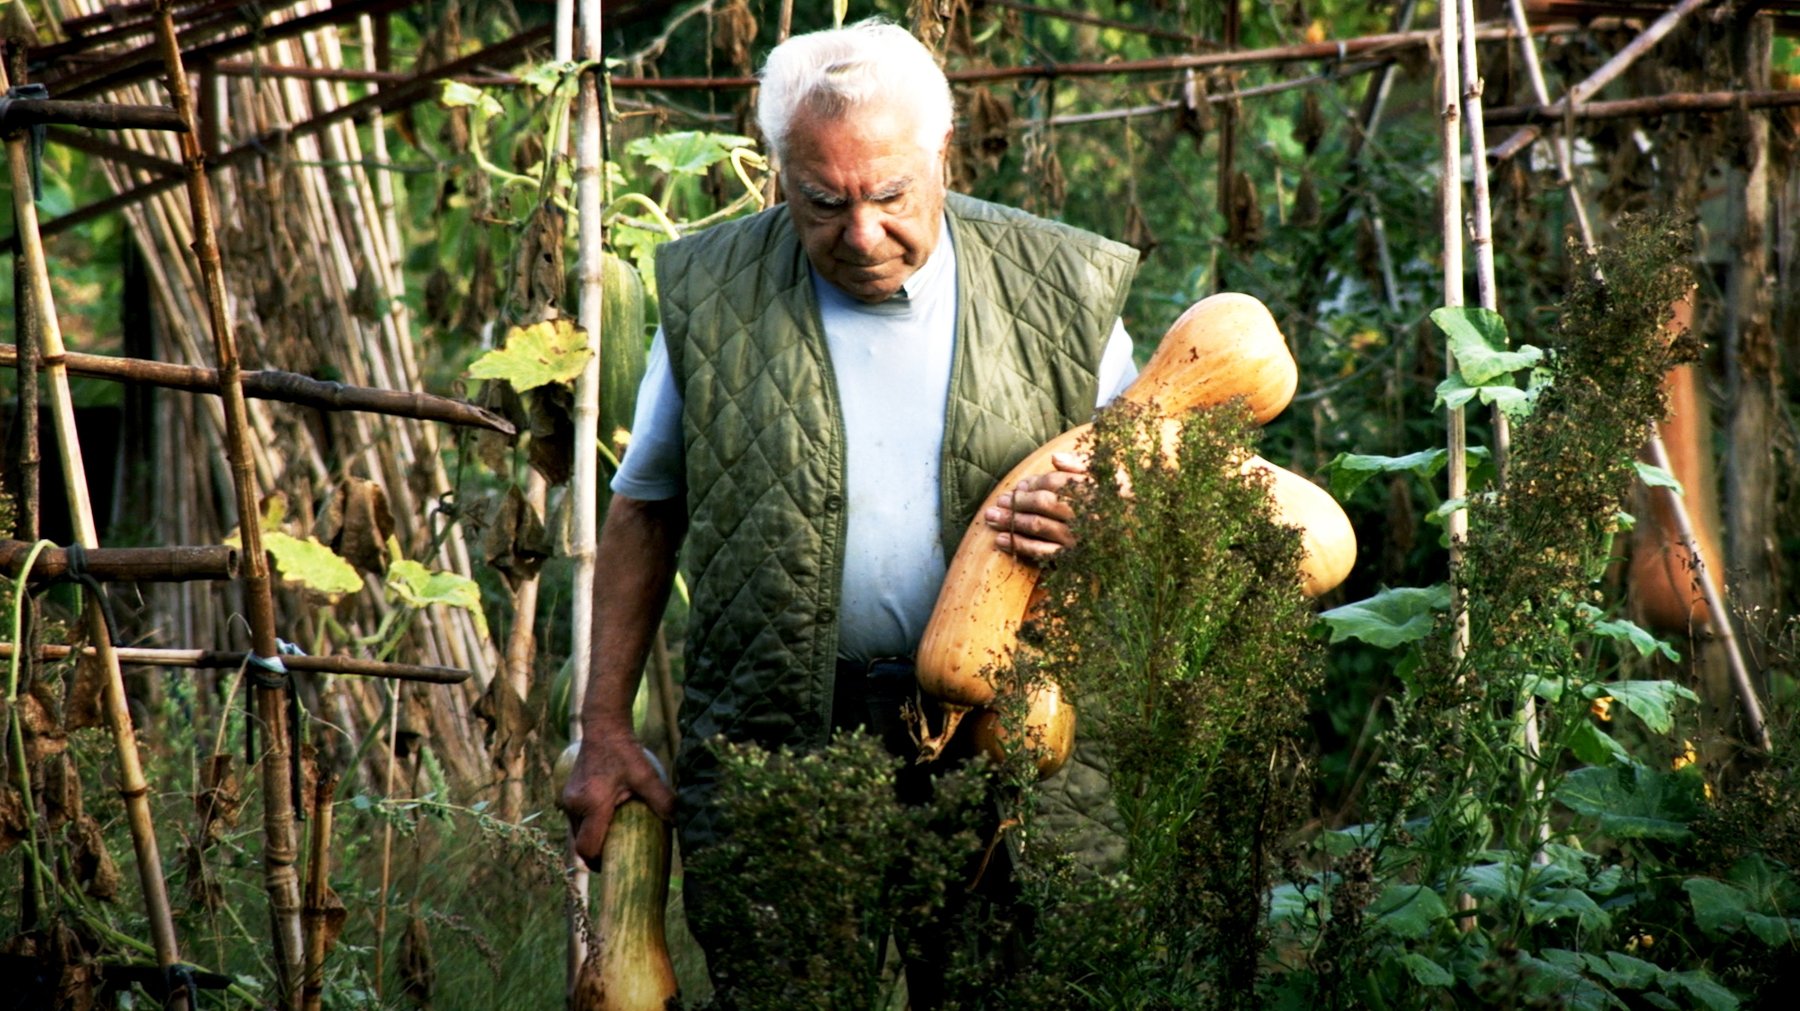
{"type": "Point", "coordinates": [1407, 911]}
{"type": "Point", "coordinates": [311, 564]}
{"type": "Point", "coordinates": [1350, 470]}
{"type": "Point", "coordinates": [1477, 337]}
{"type": "Point", "coordinates": [1424, 971]}
{"type": "Point", "coordinates": [1650, 701]}
{"type": "Point", "coordinates": [417, 586]}
{"type": "Point", "coordinates": [1634, 801]}
{"type": "Point", "coordinates": [551, 351]}
{"type": "Point", "coordinates": [1391, 618]}
{"type": "Point", "coordinates": [687, 152]}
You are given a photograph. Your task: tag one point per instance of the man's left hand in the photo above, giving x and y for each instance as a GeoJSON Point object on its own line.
{"type": "Point", "coordinates": [1032, 520]}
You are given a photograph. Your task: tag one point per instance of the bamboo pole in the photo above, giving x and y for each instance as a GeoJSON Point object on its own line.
{"type": "Point", "coordinates": [215, 659]}
{"type": "Point", "coordinates": [254, 68]}
{"type": "Point", "coordinates": [1600, 78]}
{"type": "Point", "coordinates": [318, 893]}
{"type": "Point", "coordinates": [127, 565]}
{"type": "Point", "coordinates": [1305, 52]}
{"type": "Point", "coordinates": [287, 387]}
{"type": "Point", "coordinates": [134, 790]}
{"type": "Point", "coordinates": [584, 481]}
{"type": "Point", "coordinates": [1450, 205]}
{"type": "Point", "coordinates": [279, 850]}
{"type": "Point", "coordinates": [22, 113]}
{"type": "Point", "coordinates": [1545, 113]}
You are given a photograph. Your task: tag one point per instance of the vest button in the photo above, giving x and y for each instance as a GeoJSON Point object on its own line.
{"type": "Point", "coordinates": [826, 615]}
{"type": "Point", "coordinates": [833, 503]}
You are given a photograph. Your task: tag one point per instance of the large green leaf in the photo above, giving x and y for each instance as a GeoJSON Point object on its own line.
{"type": "Point", "coordinates": [1407, 911]}
{"type": "Point", "coordinates": [550, 351]}
{"type": "Point", "coordinates": [1391, 618]}
{"type": "Point", "coordinates": [1477, 337]}
{"type": "Point", "coordinates": [1594, 746]}
{"type": "Point", "coordinates": [1424, 971]}
{"type": "Point", "coordinates": [686, 152]}
{"type": "Point", "coordinates": [1650, 701]}
{"type": "Point", "coordinates": [1656, 477]}
{"type": "Point", "coordinates": [1633, 801]}
{"type": "Point", "coordinates": [1626, 631]}
{"type": "Point", "coordinates": [457, 95]}
{"type": "Point", "coordinates": [1622, 971]}
{"type": "Point", "coordinates": [310, 563]}
{"type": "Point", "coordinates": [1350, 470]}
{"type": "Point", "coordinates": [418, 586]}
{"type": "Point", "coordinates": [1702, 988]}
{"type": "Point", "coordinates": [1552, 904]}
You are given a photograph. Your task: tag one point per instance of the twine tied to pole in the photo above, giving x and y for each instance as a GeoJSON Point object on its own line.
{"type": "Point", "coordinates": [77, 573]}
{"type": "Point", "coordinates": [269, 672]}
{"type": "Point", "coordinates": [30, 93]}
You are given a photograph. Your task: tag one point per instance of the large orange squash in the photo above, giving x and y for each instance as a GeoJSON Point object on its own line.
{"type": "Point", "coordinates": [1223, 347]}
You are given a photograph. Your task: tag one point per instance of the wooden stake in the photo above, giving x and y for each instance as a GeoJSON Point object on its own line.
{"type": "Point", "coordinates": [287, 387]}
{"type": "Point", "coordinates": [318, 893]}
{"type": "Point", "coordinates": [220, 659]}
{"type": "Point", "coordinates": [279, 849]}
{"type": "Point", "coordinates": [133, 788]}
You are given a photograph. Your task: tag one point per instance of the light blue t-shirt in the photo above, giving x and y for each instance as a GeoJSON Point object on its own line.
{"type": "Point", "coordinates": [892, 363]}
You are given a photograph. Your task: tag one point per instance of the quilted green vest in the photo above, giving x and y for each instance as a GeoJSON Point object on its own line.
{"type": "Point", "coordinates": [764, 439]}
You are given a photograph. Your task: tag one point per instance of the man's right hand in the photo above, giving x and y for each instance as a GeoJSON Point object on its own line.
{"type": "Point", "coordinates": [611, 768]}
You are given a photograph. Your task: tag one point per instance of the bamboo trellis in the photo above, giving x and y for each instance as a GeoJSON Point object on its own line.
{"type": "Point", "coordinates": [339, 234]}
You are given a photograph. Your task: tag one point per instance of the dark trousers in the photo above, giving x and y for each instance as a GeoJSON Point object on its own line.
{"type": "Point", "coordinates": [874, 696]}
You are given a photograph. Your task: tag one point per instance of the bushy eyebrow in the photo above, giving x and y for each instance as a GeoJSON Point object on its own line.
{"type": "Point", "coordinates": [825, 198]}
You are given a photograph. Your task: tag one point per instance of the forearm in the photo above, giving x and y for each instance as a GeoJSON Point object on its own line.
{"type": "Point", "coordinates": [636, 564]}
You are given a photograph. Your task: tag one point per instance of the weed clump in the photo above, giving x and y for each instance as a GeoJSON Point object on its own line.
{"type": "Point", "coordinates": [819, 863]}
{"type": "Point", "coordinates": [1178, 627]}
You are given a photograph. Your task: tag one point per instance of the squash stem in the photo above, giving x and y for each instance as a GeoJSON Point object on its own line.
{"type": "Point", "coordinates": [932, 745]}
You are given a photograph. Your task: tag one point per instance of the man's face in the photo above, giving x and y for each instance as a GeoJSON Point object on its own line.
{"type": "Point", "coordinates": [867, 200]}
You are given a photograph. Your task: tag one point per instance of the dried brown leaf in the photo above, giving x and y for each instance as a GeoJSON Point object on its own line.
{"type": "Point", "coordinates": [508, 725]}
{"type": "Point", "coordinates": [61, 794]}
{"type": "Point", "coordinates": [550, 415]}
{"type": "Point", "coordinates": [93, 866]}
{"type": "Point", "coordinates": [1307, 212]}
{"type": "Point", "coordinates": [1244, 228]}
{"type": "Point", "coordinates": [357, 523]}
{"type": "Point", "coordinates": [734, 29]}
{"type": "Point", "coordinates": [538, 276]}
{"type": "Point", "coordinates": [81, 706]}
{"type": "Point", "coordinates": [515, 541]}
{"type": "Point", "coordinates": [219, 798]}
{"type": "Point", "coordinates": [1311, 128]}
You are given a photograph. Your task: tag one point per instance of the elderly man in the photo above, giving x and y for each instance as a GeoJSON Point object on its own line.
{"type": "Point", "coordinates": [836, 386]}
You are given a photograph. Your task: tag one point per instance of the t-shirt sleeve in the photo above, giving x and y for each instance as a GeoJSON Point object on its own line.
{"type": "Point", "coordinates": [1117, 370]}
{"type": "Point", "coordinates": [653, 468]}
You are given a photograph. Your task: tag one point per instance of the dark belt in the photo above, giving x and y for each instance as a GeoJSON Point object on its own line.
{"type": "Point", "coordinates": [872, 694]}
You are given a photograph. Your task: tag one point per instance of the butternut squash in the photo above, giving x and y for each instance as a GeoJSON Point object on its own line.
{"type": "Point", "coordinates": [628, 967]}
{"type": "Point", "coordinates": [1222, 347]}
{"type": "Point", "coordinates": [1049, 730]}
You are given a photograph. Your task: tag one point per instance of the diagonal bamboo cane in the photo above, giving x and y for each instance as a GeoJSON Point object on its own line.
{"type": "Point", "coordinates": [1684, 524]}
{"type": "Point", "coordinates": [133, 788]}
{"type": "Point", "coordinates": [279, 849]}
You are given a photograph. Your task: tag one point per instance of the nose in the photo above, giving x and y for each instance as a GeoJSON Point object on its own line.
{"type": "Point", "coordinates": [864, 231]}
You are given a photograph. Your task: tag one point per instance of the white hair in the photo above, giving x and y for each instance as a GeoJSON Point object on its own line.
{"type": "Point", "coordinates": [833, 72]}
